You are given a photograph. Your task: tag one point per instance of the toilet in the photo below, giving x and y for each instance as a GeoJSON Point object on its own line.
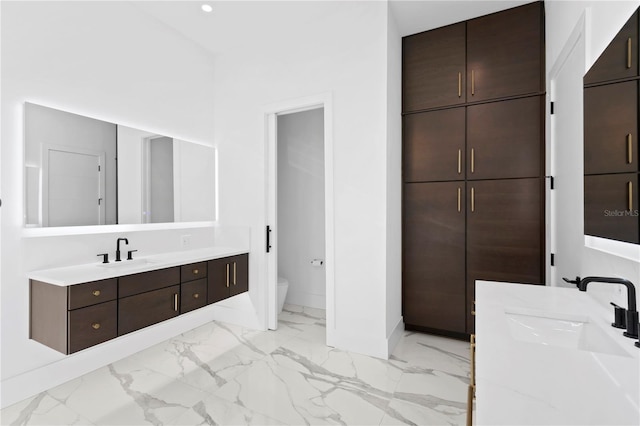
{"type": "Point", "coordinates": [283, 286]}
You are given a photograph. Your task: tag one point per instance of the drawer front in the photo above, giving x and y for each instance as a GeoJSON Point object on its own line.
{"type": "Point", "coordinates": [193, 295]}
{"type": "Point", "coordinates": [148, 281]}
{"type": "Point", "coordinates": [193, 271]}
{"type": "Point", "coordinates": [142, 310]}
{"type": "Point", "coordinates": [92, 293]}
{"type": "Point", "coordinates": [92, 325]}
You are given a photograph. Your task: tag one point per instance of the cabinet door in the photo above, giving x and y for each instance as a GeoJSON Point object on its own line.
{"type": "Point", "coordinates": [433, 66]}
{"type": "Point", "coordinates": [505, 139]}
{"type": "Point", "coordinates": [620, 58]}
{"type": "Point", "coordinates": [92, 325]}
{"type": "Point", "coordinates": [505, 53]}
{"type": "Point", "coordinates": [239, 269]}
{"type": "Point", "coordinates": [611, 128]}
{"type": "Point", "coordinates": [193, 295]}
{"type": "Point", "coordinates": [219, 280]}
{"type": "Point", "coordinates": [611, 207]}
{"type": "Point", "coordinates": [504, 233]}
{"type": "Point", "coordinates": [433, 147]}
{"type": "Point", "coordinates": [433, 275]}
{"type": "Point", "coordinates": [142, 310]}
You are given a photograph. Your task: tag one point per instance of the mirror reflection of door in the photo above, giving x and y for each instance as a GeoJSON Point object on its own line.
{"type": "Point", "coordinates": [74, 183]}
{"type": "Point", "coordinates": [158, 183]}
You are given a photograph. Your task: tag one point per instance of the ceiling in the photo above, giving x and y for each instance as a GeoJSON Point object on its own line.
{"type": "Point", "coordinates": [234, 23]}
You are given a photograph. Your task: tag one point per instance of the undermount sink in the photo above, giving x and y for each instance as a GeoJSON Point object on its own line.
{"type": "Point", "coordinates": [127, 264]}
{"type": "Point", "coordinates": [559, 329]}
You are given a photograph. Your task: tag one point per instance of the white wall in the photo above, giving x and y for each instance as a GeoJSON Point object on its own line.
{"type": "Point", "coordinates": [98, 59]}
{"type": "Point", "coordinates": [301, 218]}
{"type": "Point", "coordinates": [604, 20]}
{"type": "Point", "coordinates": [342, 50]}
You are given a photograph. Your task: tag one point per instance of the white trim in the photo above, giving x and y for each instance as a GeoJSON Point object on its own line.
{"type": "Point", "coordinates": [324, 100]}
{"type": "Point", "coordinates": [395, 336]}
{"type": "Point", "coordinates": [578, 33]}
{"type": "Point", "coordinates": [111, 229]}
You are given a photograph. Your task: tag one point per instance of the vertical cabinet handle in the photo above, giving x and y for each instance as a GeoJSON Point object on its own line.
{"type": "Point", "coordinates": [175, 302]}
{"type": "Point", "coordinates": [473, 199]}
{"type": "Point", "coordinates": [473, 160]}
{"type": "Point", "coordinates": [473, 83]}
{"type": "Point", "coordinates": [459, 161]}
{"type": "Point", "coordinates": [459, 84]}
{"type": "Point", "coordinates": [459, 193]}
{"type": "Point", "coordinates": [234, 273]}
{"type": "Point", "coordinates": [629, 148]}
{"type": "Point", "coordinates": [227, 275]}
{"type": "Point", "coordinates": [629, 52]}
{"type": "Point", "coordinates": [630, 195]}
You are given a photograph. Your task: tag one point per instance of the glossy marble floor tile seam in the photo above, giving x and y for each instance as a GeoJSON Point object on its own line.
{"type": "Point", "coordinates": [224, 374]}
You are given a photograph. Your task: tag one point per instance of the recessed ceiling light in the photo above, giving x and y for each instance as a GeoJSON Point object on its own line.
{"type": "Point", "coordinates": [207, 8]}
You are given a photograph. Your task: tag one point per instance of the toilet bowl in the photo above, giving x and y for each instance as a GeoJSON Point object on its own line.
{"type": "Point", "coordinates": [283, 286]}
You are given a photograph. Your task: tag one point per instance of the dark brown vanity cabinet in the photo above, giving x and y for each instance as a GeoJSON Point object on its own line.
{"type": "Point", "coordinates": [620, 58]}
{"type": "Point", "coordinates": [473, 167]}
{"type": "Point", "coordinates": [148, 298]}
{"type": "Point", "coordinates": [69, 319]}
{"type": "Point", "coordinates": [193, 290]}
{"type": "Point", "coordinates": [490, 57]}
{"type": "Point", "coordinates": [75, 317]}
{"type": "Point", "coordinates": [227, 277]}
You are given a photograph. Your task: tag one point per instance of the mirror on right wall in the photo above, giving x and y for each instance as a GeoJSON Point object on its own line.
{"type": "Point", "coordinates": [611, 157]}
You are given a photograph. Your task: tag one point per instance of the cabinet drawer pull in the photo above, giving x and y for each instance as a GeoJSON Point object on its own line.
{"type": "Point", "coordinates": [629, 149]}
{"type": "Point", "coordinates": [459, 161]}
{"type": "Point", "coordinates": [629, 52]}
{"type": "Point", "coordinates": [473, 83]}
{"type": "Point", "coordinates": [196, 295]}
{"type": "Point", "coordinates": [175, 302]}
{"type": "Point", "coordinates": [459, 191]}
{"type": "Point", "coordinates": [473, 160]}
{"type": "Point", "coordinates": [227, 275]}
{"type": "Point", "coordinates": [195, 272]}
{"type": "Point", "coordinates": [234, 273]}
{"type": "Point", "coordinates": [459, 84]}
{"type": "Point", "coordinates": [96, 293]}
{"type": "Point", "coordinates": [473, 200]}
{"type": "Point", "coordinates": [630, 190]}
{"type": "Point", "coordinates": [95, 325]}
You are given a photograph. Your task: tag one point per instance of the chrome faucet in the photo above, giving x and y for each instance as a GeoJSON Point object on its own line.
{"type": "Point", "coordinates": [632, 312]}
{"type": "Point", "coordinates": [118, 248]}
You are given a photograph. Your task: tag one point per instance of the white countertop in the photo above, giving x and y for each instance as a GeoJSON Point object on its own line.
{"type": "Point", "coordinates": [98, 271]}
{"type": "Point", "coordinates": [522, 382]}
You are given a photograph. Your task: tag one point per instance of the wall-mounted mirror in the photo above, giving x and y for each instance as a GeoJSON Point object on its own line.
{"type": "Point", "coordinates": [611, 171]}
{"type": "Point", "coordinates": [83, 171]}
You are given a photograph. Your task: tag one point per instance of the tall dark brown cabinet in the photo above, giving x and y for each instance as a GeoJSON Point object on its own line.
{"type": "Point", "coordinates": [473, 161]}
{"type": "Point", "coordinates": [611, 159]}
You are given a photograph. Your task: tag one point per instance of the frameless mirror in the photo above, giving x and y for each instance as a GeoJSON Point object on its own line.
{"type": "Point", "coordinates": [82, 171]}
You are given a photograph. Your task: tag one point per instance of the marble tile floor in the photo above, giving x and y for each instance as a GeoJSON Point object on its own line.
{"type": "Point", "coordinates": [222, 374]}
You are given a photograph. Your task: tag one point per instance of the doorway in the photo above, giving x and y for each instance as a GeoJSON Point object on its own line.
{"type": "Point", "coordinates": [299, 206]}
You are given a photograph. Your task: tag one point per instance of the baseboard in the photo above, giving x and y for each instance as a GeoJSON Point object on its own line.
{"type": "Point", "coordinates": [306, 299]}
{"type": "Point", "coordinates": [395, 336]}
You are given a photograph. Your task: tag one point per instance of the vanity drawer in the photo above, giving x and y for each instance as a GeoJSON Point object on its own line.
{"type": "Point", "coordinates": [148, 308]}
{"type": "Point", "coordinates": [148, 281]}
{"type": "Point", "coordinates": [193, 271]}
{"type": "Point", "coordinates": [92, 325]}
{"type": "Point", "coordinates": [193, 295]}
{"type": "Point", "coordinates": [92, 293]}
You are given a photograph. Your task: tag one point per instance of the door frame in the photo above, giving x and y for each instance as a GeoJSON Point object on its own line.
{"type": "Point", "coordinates": [270, 112]}
{"type": "Point", "coordinates": [579, 34]}
{"type": "Point", "coordinates": [43, 214]}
